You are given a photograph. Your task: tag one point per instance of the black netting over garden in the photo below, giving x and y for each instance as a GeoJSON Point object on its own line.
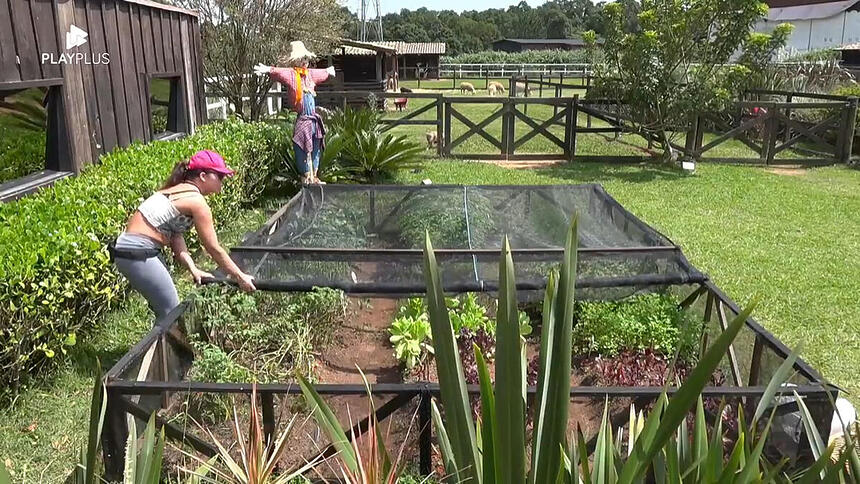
{"type": "Point", "coordinates": [369, 239]}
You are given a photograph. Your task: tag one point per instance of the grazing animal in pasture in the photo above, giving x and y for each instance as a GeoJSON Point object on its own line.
{"type": "Point", "coordinates": [432, 139]}
{"type": "Point", "coordinates": [467, 87]}
{"type": "Point", "coordinates": [494, 88]}
{"type": "Point", "coordinates": [521, 89]}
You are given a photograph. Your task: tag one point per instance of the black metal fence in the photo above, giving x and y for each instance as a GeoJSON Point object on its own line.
{"type": "Point", "coordinates": [152, 376]}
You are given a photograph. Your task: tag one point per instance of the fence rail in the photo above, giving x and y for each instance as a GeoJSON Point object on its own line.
{"type": "Point", "coordinates": [143, 380]}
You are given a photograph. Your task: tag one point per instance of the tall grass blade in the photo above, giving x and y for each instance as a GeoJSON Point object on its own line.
{"type": "Point", "coordinates": [552, 415]}
{"type": "Point", "coordinates": [330, 424]}
{"type": "Point", "coordinates": [452, 384]}
{"type": "Point", "coordinates": [488, 417]}
{"type": "Point", "coordinates": [510, 408]}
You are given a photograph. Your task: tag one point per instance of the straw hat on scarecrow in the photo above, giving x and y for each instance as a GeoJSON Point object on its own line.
{"type": "Point", "coordinates": [299, 55]}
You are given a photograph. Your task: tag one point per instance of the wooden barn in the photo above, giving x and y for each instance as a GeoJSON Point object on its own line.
{"type": "Point", "coordinates": [111, 72]}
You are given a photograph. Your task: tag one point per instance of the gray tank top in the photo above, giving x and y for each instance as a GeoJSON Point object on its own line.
{"type": "Point", "coordinates": [160, 212]}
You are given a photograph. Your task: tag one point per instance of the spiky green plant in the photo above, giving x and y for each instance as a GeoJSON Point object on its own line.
{"type": "Point", "coordinates": [362, 459]}
{"type": "Point", "coordinates": [659, 446]}
{"type": "Point", "coordinates": [258, 457]}
{"type": "Point", "coordinates": [143, 459]}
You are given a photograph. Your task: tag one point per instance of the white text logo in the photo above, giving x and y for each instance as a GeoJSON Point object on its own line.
{"type": "Point", "coordinates": [75, 37]}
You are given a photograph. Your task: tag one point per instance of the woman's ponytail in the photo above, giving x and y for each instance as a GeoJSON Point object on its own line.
{"type": "Point", "coordinates": [178, 175]}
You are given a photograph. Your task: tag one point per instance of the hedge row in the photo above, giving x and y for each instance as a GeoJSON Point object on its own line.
{"type": "Point", "coordinates": [55, 275]}
{"type": "Point", "coordinates": [526, 57]}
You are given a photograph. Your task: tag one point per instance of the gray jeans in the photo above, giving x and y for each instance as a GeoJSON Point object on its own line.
{"type": "Point", "coordinates": [149, 277]}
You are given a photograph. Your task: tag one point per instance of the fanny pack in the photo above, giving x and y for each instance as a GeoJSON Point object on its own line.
{"type": "Point", "coordinates": [131, 253]}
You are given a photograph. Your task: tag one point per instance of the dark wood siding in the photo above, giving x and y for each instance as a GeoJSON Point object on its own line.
{"type": "Point", "coordinates": [142, 39]}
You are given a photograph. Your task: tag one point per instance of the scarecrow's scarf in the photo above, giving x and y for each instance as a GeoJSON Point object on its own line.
{"type": "Point", "coordinates": [300, 72]}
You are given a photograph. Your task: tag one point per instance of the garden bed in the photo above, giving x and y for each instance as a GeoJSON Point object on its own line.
{"type": "Point", "coordinates": [697, 313]}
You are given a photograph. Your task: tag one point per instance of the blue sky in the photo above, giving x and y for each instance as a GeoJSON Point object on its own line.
{"type": "Point", "coordinates": [389, 6]}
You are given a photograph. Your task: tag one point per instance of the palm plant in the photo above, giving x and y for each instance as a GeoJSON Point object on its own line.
{"type": "Point", "coordinates": [369, 157]}
{"type": "Point", "coordinates": [661, 447]}
{"type": "Point", "coordinates": [258, 458]}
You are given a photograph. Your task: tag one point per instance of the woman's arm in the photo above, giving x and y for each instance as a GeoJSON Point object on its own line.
{"type": "Point", "coordinates": [209, 239]}
{"type": "Point", "coordinates": [180, 252]}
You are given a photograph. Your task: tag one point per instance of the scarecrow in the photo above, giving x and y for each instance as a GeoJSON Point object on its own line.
{"type": "Point", "coordinates": [300, 82]}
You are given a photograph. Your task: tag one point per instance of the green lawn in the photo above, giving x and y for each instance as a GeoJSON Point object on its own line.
{"type": "Point", "coordinates": [790, 238]}
{"type": "Point", "coordinates": [22, 147]}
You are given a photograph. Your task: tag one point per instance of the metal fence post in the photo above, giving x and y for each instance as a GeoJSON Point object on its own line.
{"type": "Point", "coordinates": [114, 436]}
{"type": "Point", "coordinates": [425, 459]}
{"type": "Point", "coordinates": [268, 401]}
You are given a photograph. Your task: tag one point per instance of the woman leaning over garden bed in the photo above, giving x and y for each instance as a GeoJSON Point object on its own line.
{"type": "Point", "coordinates": [162, 219]}
{"type": "Point", "coordinates": [55, 274]}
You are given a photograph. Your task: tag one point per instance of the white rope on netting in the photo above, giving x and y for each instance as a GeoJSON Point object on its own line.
{"type": "Point", "coordinates": [469, 236]}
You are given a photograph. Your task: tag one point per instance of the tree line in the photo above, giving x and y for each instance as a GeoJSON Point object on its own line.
{"type": "Point", "coordinates": [474, 31]}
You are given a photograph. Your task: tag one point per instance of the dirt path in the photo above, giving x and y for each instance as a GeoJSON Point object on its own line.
{"type": "Point", "coordinates": [362, 341]}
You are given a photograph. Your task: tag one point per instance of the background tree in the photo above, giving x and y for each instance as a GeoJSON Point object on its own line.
{"type": "Point", "coordinates": [672, 65]}
{"type": "Point", "coordinates": [238, 34]}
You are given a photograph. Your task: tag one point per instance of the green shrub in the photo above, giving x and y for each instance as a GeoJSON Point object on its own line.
{"type": "Point", "coordinates": [55, 275]}
{"type": "Point", "coordinates": [651, 321]}
{"type": "Point", "coordinates": [272, 334]}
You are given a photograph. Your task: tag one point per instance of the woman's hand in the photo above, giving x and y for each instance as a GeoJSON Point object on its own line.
{"type": "Point", "coordinates": [261, 69]}
{"type": "Point", "coordinates": [199, 275]}
{"type": "Point", "coordinates": [245, 281]}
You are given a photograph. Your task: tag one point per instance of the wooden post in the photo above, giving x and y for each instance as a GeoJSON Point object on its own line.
{"type": "Point", "coordinates": [487, 78]}
{"type": "Point", "coordinates": [769, 138]}
{"type": "Point", "coordinates": [540, 87]}
{"type": "Point", "coordinates": [689, 139]}
{"type": "Point", "coordinates": [440, 123]}
{"type": "Point", "coordinates": [570, 129]}
{"type": "Point", "coordinates": [454, 79]}
{"type": "Point", "coordinates": [847, 130]}
{"type": "Point", "coordinates": [447, 137]}
{"type": "Point", "coordinates": [114, 436]}
{"type": "Point", "coordinates": [76, 122]}
{"type": "Point", "coordinates": [788, 99]}
{"type": "Point", "coordinates": [163, 373]}
{"type": "Point", "coordinates": [525, 94]}
{"type": "Point", "coordinates": [709, 307]}
{"type": "Point", "coordinates": [755, 362]}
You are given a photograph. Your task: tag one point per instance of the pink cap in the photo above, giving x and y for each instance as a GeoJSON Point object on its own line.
{"type": "Point", "coordinates": [209, 161]}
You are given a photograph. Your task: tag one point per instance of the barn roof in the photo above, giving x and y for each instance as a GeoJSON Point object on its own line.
{"type": "Point", "coordinates": [782, 10]}
{"type": "Point", "coordinates": [354, 47]}
{"type": "Point", "coordinates": [571, 41]}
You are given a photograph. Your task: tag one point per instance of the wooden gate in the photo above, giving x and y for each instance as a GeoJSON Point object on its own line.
{"type": "Point", "coordinates": [510, 111]}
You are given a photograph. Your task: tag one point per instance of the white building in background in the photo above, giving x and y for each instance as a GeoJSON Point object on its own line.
{"type": "Point", "coordinates": [817, 24]}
